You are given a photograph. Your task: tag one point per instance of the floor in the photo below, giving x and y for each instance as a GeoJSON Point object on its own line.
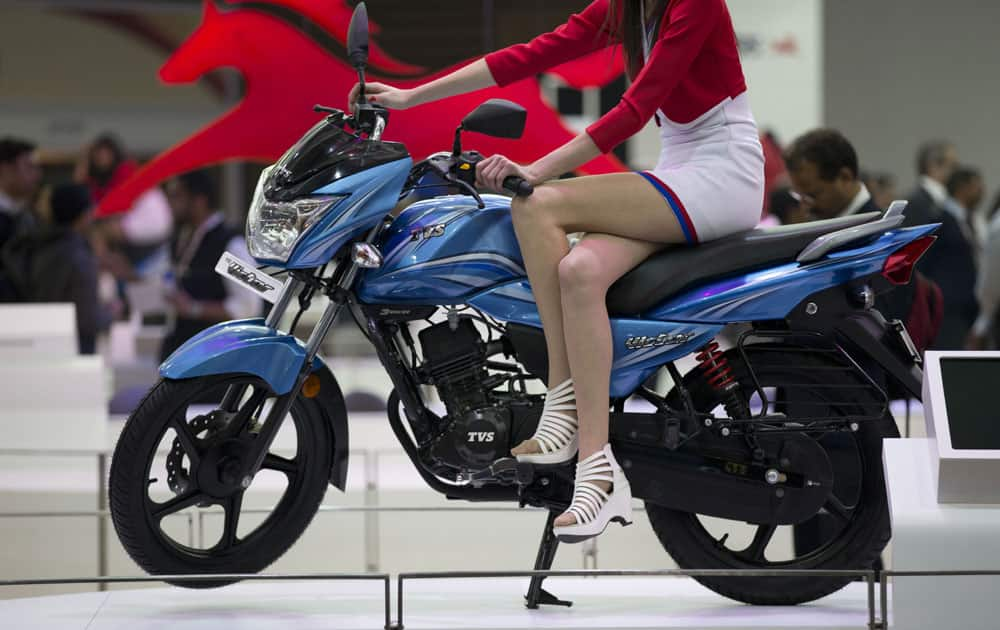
{"type": "Point", "coordinates": [468, 604]}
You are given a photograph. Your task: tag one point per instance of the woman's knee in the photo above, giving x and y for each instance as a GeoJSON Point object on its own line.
{"type": "Point", "coordinates": [582, 275]}
{"type": "Point", "coordinates": [539, 208]}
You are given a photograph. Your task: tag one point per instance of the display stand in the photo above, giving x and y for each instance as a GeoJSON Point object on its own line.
{"type": "Point", "coordinates": [943, 499]}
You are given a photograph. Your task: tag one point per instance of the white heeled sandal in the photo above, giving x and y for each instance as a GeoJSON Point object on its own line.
{"type": "Point", "coordinates": [556, 433]}
{"type": "Point", "coordinates": [593, 507]}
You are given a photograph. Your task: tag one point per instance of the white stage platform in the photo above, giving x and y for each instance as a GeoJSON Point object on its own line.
{"type": "Point", "coordinates": [495, 604]}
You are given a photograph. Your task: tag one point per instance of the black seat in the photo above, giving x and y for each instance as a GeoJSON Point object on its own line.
{"type": "Point", "coordinates": [680, 267]}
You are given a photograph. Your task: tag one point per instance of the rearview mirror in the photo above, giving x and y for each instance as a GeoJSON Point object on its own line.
{"type": "Point", "coordinates": [497, 117]}
{"type": "Point", "coordinates": [357, 38]}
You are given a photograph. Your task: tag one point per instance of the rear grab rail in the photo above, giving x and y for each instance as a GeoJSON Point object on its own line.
{"type": "Point", "coordinates": [825, 244]}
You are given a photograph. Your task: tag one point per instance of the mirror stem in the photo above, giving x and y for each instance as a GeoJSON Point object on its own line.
{"type": "Point", "coordinates": [361, 80]}
{"type": "Point", "coordinates": [456, 149]}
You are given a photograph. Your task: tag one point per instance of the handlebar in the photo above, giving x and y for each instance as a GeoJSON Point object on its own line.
{"type": "Point", "coordinates": [518, 186]}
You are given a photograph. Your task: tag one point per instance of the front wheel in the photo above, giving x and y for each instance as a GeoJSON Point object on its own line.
{"type": "Point", "coordinates": [178, 457]}
{"type": "Point", "coordinates": [848, 533]}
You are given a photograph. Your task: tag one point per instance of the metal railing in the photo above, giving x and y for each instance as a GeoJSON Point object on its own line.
{"type": "Point", "coordinates": [877, 611]}
{"type": "Point", "coordinates": [219, 577]}
{"type": "Point", "coordinates": [869, 576]}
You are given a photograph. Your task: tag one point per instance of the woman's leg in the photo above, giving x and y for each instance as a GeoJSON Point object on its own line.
{"type": "Point", "coordinates": [622, 204]}
{"type": "Point", "coordinates": [585, 275]}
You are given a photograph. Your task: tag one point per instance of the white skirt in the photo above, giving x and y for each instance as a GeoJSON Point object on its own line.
{"type": "Point", "coordinates": [711, 171]}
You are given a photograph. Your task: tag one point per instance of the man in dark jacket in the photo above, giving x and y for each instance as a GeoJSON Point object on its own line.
{"type": "Point", "coordinates": [201, 297]}
{"type": "Point", "coordinates": [56, 264]}
{"type": "Point", "coordinates": [950, 262]}
{"type": "Point", "coordinates": [823, 167]}
{"type": "Point", "coordinates": [19, 178]}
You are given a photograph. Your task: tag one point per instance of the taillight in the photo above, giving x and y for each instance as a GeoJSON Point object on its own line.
{"type": "Point", "coordinates": [899, 266]}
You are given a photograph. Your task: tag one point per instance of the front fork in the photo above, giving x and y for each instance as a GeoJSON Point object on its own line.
{"type": "Point", "coordinates": [339, 295]}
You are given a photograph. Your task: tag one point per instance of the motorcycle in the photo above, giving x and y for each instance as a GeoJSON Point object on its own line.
{"type": "Point", "coordinates": [780, 426]}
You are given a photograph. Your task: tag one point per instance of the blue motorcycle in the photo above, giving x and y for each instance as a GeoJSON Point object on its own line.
{"type": "Point", "coordinates": [778, 423]}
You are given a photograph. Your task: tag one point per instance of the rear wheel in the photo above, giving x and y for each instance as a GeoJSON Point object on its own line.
{"type": "Point", "coordinates": [177, 502]}
{"type": "Point", "coordinates": [850, 531]}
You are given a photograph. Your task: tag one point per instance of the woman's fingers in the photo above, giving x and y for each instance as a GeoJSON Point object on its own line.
{"type": "Point", "coordinates": [487, 170]}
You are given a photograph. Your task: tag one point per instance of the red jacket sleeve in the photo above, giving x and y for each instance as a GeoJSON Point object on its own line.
{"type": "Point", "coordinates": [584, 33]}
{"type": "Point", "coordinates": [691, 23]}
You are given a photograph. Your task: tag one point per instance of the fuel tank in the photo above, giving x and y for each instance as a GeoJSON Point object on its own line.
{"type": "Point", "coordinates": [444, 251]}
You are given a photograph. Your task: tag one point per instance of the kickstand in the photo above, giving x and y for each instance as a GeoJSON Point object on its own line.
{"type": "Point", "coordinates": [537, 595]}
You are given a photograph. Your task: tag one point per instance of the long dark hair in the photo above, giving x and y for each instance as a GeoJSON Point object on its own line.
{"type": "Point", "coordinates": [628, 30]}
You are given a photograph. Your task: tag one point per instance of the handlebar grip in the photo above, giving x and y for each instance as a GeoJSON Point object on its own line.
{"type": "Point", "coordinates": [518, 186]}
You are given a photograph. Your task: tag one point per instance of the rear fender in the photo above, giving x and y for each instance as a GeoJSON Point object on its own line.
{"type": "Point", "coordinates": [250, 347]}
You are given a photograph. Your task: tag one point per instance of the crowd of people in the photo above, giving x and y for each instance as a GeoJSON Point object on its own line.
{"type": "Point", "coordinates": [952, 302]}
{"type": "Point", "coordinates": [55, 246]}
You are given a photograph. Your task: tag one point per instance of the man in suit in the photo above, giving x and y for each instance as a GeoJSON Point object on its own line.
{"type": "Point", "coordinates": [936, 161]}
{"type": "Point", "coordinates": [20, 175]}
{"type": "Point", "coordinates": [823, 167]}
{"type": "Point", "coordinates": [951, 261]}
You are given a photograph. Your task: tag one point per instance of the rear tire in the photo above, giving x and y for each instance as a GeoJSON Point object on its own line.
{"type": "Point", "coordinates": [863, 534]}
{"type": "Point", "coordinates": [135, 468]}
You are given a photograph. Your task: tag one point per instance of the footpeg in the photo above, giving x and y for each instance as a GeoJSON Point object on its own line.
{"type": "Point", "coordinates": [506, 471]}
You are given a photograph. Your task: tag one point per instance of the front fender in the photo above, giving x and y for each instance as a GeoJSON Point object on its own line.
{"type": "Point", "coordinates": [248, 346]}
{"type": "Point", "coordinates": [245, 346]}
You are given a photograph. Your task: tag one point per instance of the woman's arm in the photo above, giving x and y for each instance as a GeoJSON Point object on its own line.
{"type": "Point", "coordinates": [470, 78]}
{"type": "Point", "coordinates": [583, 33]}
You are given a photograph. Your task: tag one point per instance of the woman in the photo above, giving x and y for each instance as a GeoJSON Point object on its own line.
{"type": "Point", "coordinates": [685, 69]}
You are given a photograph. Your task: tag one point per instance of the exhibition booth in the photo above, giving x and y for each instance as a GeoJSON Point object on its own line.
{"type": "Point", "coordinates": [288, 365]}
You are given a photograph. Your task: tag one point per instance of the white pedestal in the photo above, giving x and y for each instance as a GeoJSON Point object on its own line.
{"type": "Point", "coordinates": [37, 332]}
{"type": "Point", "coordinates": [928, 536]}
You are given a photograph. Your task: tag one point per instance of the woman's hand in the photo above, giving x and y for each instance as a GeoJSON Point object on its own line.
{"type": "Point", "coordinates": [381, 94]}
{"type": "Point", "coordinates": [491, 172]}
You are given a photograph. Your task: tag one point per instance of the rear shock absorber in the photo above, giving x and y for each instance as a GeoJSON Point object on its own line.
{"type": "Point", "coordinates": [720, 376]}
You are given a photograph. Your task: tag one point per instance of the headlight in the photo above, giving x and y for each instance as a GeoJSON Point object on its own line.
{"type": "Point", "coordinates": [273, 228]}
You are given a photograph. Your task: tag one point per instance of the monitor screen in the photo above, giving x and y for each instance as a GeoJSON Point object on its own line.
{"type": "Point", "coordinates": [970, 395]}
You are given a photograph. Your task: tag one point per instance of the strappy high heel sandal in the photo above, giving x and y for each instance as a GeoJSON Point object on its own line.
{"type": "Point", "coordinates": [593, 507]}
{"type": "Point", "coordinates": [556, 433]}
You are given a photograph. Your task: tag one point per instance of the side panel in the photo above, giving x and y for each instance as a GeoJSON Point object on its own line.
{"type": "Point", "coordinates": [374, 193]}
{"type": "Point", "coordinates": [443, 251]}
{"type": "Point", "coordinates": [771, 294]}
{"type": "Point", "coordinates": [246, 346]}
{"type": "Point", "coordinates": [640, 347]}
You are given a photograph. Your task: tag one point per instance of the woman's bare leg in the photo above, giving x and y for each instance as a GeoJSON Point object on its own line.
{"type": "Point", "coordinates": [622, 204]}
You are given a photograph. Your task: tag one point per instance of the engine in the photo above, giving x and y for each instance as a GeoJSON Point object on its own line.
{"type": "Point", "coordinates": [477, 429]}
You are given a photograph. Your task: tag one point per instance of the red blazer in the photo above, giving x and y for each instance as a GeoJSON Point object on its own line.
{"type": "Point", "coordinates": [693, 66]}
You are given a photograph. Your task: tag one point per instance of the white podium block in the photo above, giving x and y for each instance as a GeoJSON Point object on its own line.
{"type": "Point", "coordinates": [963, 422]}
{"type": "Point", "coordinates": [928, 536]}
{"type": "Point", "coordinates": [58, 405]}
{"type": "Point", "coordinates": [37, 331]}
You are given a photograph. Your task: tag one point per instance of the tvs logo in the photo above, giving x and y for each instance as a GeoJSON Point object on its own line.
{"type": "Point", "coordinates": [286, 73]}
{"type": "Point", "coordinates": [431, 231]}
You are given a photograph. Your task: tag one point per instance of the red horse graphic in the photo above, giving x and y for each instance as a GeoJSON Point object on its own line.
{"type": "Point", "coordinates": [286, 73]}
{"type": "Point", "coordinates": [334, 16]}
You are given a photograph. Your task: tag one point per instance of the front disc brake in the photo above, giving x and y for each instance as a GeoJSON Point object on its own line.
{"type": "Point", "coordinates": [179, 477]}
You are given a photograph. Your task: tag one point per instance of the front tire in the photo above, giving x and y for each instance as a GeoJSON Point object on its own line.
{"type": "Point", "coordinates": [858, 505]}
{"type": "Point", "coordinates": [144, 490]}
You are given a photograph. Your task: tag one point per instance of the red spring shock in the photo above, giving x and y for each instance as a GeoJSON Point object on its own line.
{"type": "Point", "coordinates": [720, 376]}
{"type": "Point", "coordinates": [716, 366]}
